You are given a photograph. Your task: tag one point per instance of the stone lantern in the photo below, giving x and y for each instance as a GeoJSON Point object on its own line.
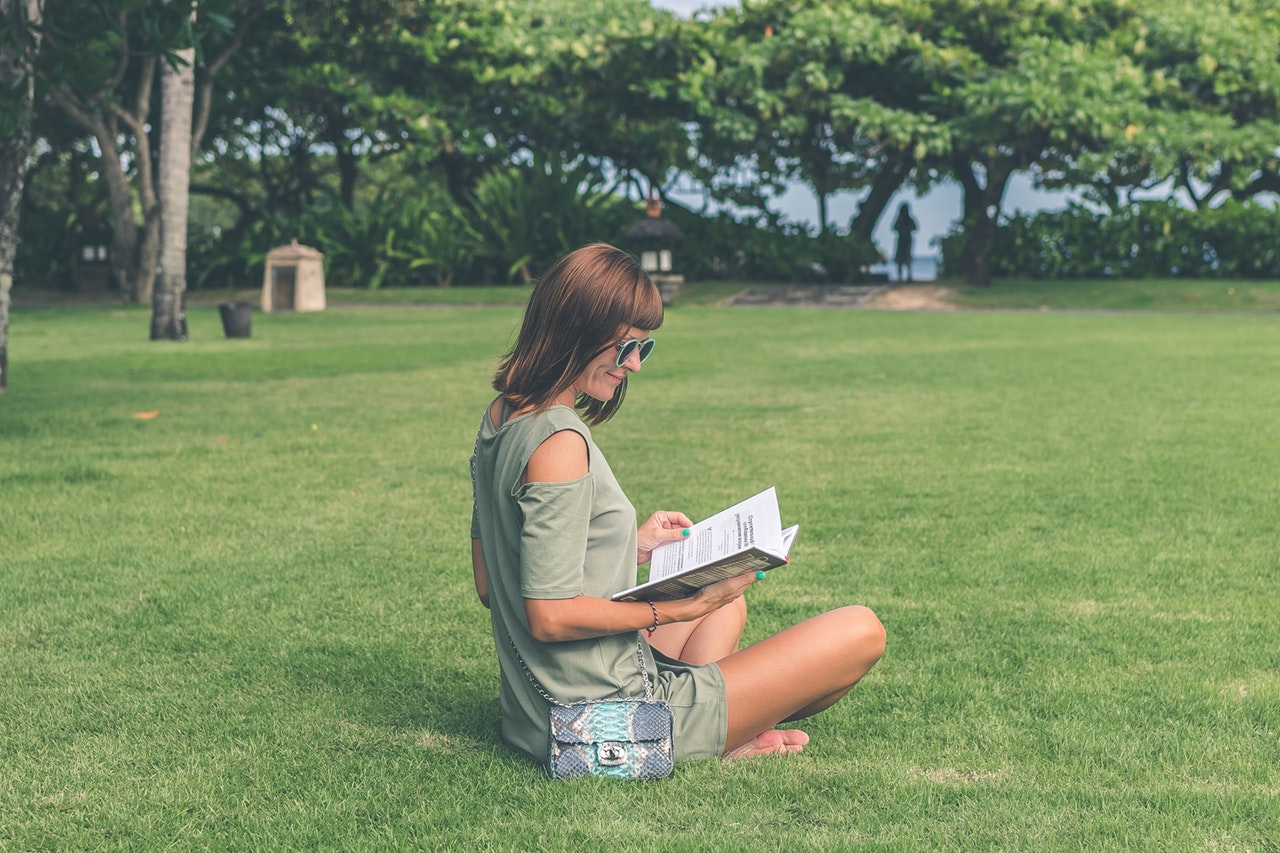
{"type": "Point", "coordinates": [657, 239]}
{"type": "Point", "coordinates": [293, 279]}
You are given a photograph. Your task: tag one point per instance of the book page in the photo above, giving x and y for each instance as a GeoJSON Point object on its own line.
{"type": "Point", "coordinates": [788, 537]}
{"type": "Point", "coordinates": [751, 523]}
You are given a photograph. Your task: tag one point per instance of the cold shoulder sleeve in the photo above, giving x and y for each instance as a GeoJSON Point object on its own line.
{"type": "Point", "coordinates": [553, 537]}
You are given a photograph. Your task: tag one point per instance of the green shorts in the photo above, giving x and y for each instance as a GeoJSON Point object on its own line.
{"type": "Point", "coordinates": [698, 703]}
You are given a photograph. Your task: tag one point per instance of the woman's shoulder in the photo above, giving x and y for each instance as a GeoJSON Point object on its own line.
{"type": "Point", "coordinates": [501, 426]}
{"type": "Point", "coordinates": [549, 420]}
{"type": "Point", "coordinates": [563, 456]}
{"type": "Point", "coordinates": [562, 417]}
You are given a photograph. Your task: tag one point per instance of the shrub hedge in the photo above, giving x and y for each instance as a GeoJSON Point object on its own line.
{"type": "Point", "coordinates": [1149, 239]}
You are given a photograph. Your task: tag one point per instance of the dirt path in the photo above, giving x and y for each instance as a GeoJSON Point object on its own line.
{"type": "Point", "coordinates": [913, 297]}
{"type": "Point", "coordinates": [885, 297]}
{"type": "Point", "coordinates": [879, 297]}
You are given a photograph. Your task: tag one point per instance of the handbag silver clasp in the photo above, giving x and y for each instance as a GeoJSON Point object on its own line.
{"type": "Point", "coordinates": [613, 753]}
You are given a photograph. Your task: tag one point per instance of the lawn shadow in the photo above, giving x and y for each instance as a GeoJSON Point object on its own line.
{"type": "Point", "coordinates": [388, 686]}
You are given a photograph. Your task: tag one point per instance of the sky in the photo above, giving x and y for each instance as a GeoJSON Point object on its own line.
{"type": "Point", "coordinates": [688, 7]}
{"type": "Point", "coordinates": [936, 212]}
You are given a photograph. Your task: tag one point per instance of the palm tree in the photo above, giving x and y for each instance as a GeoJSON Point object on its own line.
{"type": "Point", "coordinates": [17, 58]}
{"type": "Point", "coordinates": [177, 98]}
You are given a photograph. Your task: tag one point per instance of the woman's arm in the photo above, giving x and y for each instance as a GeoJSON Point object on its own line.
{"type": "Point", "coordinates": [555, 620]}
{"type": "Point", "coordinates": [563, 457]}
{"type": "Point", "coordinates": [477, 569]}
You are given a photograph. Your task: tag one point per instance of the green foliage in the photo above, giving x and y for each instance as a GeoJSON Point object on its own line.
{"type": "Point", "coordinates": [519, 220]}
{"type": "Point", "coordinates": [763, 248]}
{"type": "Point", "coordinates": [218, 258]}
{"type": "Point", "coordinates": [507, 213]}
{"type": "Point", "coordinates": [1209, 111]}
{"type": "Point", "coordinates": [82, 41]}
{"type": "Point", "coordinates": [320, 101]}
{"type": "Point", "coordinates": [609, 88]}
{"type": "Point", "coordinates": [1157, 239]}
{"type": "Point", "coordinates": [47, 255]}
{"type": "Point", "coordinates": [819, 93]}
{"type": "Point", "coordinates": [448, 244]}
{"type": "Point", "coordinates": [393, 238]}
{"type": "Point", "coordinates": [530, 215]}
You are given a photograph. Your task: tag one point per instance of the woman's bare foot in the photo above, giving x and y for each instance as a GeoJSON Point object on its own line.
{"type": "Point", "coordinates": [771, 742]}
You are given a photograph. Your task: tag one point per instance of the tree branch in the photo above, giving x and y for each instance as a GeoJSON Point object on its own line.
{"type": "Point", "coordinates": [206, 73]}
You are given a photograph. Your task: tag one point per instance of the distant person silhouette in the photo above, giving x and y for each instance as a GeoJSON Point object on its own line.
{"type": "Point", "coordinates": [905, 227]}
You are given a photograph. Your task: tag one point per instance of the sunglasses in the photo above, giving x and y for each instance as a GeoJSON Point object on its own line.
{"type": "Point", "coordinates": [626, 348]}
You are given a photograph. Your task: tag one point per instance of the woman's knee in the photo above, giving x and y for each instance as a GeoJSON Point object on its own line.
{"type": "Point", "coordinates": [864, 633]}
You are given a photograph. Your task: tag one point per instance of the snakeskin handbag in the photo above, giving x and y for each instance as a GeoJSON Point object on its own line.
{"type": "Point", "coordinates": [616, 738]}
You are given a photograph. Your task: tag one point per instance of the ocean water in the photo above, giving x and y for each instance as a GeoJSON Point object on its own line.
{"type": "Point", "coordinates": [923, 268]}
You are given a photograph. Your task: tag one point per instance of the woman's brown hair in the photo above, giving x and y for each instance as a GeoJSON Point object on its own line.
{"type": "Point", "coordinates": [576, 310]}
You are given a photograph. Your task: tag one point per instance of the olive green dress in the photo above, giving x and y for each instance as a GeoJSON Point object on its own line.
{"type": "Point", "coordinates": [561, 540]}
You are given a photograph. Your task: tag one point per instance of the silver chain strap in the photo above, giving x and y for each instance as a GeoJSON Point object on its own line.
{"type": "Point", "coordinates": [644, 671]}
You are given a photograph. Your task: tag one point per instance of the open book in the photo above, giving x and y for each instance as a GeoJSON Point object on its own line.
{"type": "Point", "coordinates": [746, 537]}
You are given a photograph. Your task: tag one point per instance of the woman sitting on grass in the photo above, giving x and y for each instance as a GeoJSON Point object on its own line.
{"type": "Point", "coordinates": [553, 537]}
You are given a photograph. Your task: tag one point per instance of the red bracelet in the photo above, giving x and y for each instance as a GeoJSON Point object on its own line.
{"type": "Point", "coordinates": [654, 626]}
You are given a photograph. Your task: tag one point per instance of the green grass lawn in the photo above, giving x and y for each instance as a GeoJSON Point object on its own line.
{"type": "Point", "coordinates": [1165, 295]}
{"type": "Point", "coordinates": [248, 622]}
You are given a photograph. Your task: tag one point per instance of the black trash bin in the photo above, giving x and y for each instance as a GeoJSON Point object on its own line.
{"type": "Point", "coordinates": [237, 318]}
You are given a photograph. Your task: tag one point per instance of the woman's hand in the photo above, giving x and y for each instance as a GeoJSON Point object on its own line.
{"type": "Point", "coordinates": [707, 600]}
{"type": "Point", "coordinates": [554, 620]}
{"type": "Point", "coordinates": [714, 596]}
{"type": "Point", "coordinates": [662, 526]}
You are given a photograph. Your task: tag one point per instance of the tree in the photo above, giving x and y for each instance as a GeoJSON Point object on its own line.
{"type": "Point", "coordinates": [614, 96]}
{"type": "Point", "coordinates": [317, 84]}
{"type": "Point", "coordinates": [177, 99]}
{"type": "Point", "coordinates": [100, 74]}
{"type": "Point", "coordinates": [20, 22]}
{"type": "Point", "coordinates": [1209, 118]}
{"type": "Point", "coordinates": [820, 93]}
{"type": "Point", "coordinates": [1057, 97]}
{"type": "Point", "coordinates": [448, 95]}
{"type": "Point", "coordinates": [1018, 83]}
{"type": "Point", "coordinates": [99, 67]}
{"type": "Point", "coordinates": [1212, 120]}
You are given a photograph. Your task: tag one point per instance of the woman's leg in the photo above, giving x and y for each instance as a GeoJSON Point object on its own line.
{"type": "Point", "coordinates": [704, 640]}
{"type": "Point", "coordinates": [796, 673]}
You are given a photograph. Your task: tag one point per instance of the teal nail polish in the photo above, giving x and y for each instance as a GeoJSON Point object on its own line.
{"type": "Point", "coordinates": [684, 532]}
{"type": "Point", "coordinates": [759, 576]}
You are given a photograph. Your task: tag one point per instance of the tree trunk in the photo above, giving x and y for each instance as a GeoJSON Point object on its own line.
{"type": "Point", "coordinates": [347, 171]}
{"type": "Point", "coordinates": [820, 179]}
{"type": "Point", "coordinates": [149, 248]}
{"type": "Point", "coordinates": [981, 212]}
{"type": "Point", "coordinates": [133, 259]}
{"type": "Point", "coordinates": [886, 183]}
{"type": "Point", "coordinates": [16, 63]}
{"type": "Point", "coordinates": [177, 97]}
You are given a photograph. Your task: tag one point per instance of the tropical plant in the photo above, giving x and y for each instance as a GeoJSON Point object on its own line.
{"type": "Point", "coordinates": [528, 215]}
{"type": "Point", "coordinates": [446, 244]}
{"type": "Point", "coordinates": [1151, 239]}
